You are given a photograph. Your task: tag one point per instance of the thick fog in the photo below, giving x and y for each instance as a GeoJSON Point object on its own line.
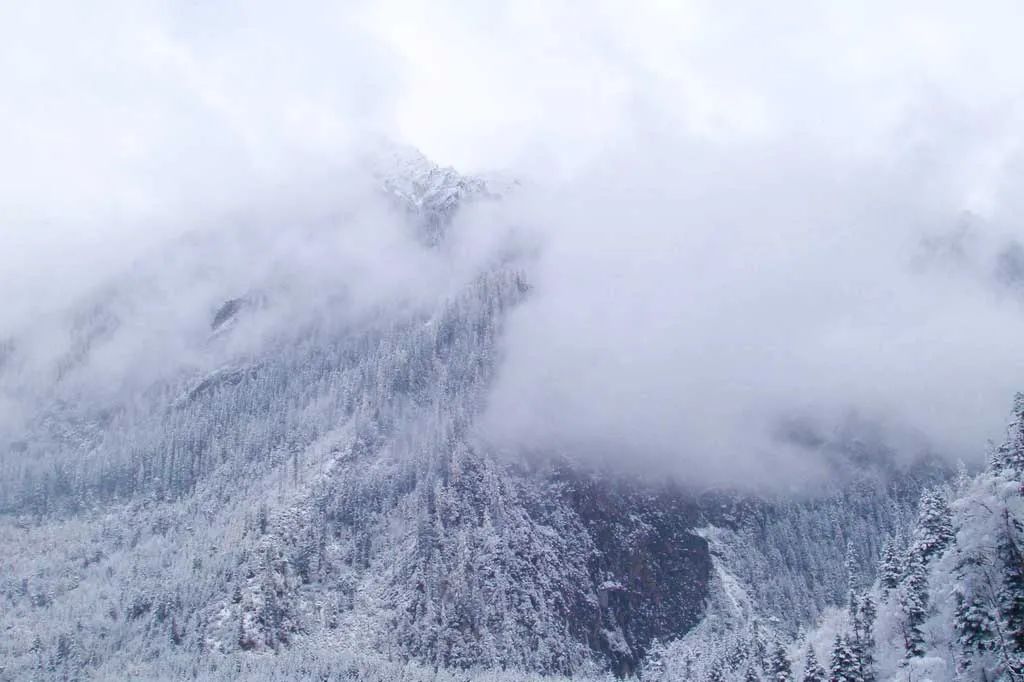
{"type": "Point", "coordinates": [129, 123]}
{"type": "Point", "coordinates": [749, 228]}
{"type": "Point", "coordinates": [717, 313]}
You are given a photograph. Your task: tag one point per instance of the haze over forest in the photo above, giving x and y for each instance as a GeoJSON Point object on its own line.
{"type": "Point", "coordinates": [671, 278]}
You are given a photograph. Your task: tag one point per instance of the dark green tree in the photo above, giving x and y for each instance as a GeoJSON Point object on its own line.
{"type": "Point", "coordinates": [1009, 457]}
{"type": "Point", "coordinates": [1011, 592]}
{"type": "Point", "coordinates": [913, 601]}
{"type": "Point", "coordinates": [889, 569]}
{"type": "Point", "coordinates": [862, 643]}
{"type": "Point", "coordinates": [975, 626]}
{"type": "Point", "coordinates": [779, 668]}
{"type": "Point", "coordinates": [934, 528]}
{"type": "Point", "coordinates": [843, 664]}
{"type": "Point", "coordinates": [813, 672]}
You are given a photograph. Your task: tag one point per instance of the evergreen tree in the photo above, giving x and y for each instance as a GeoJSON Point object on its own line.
{"type": "Point", "coordinates": [716, 674]}
{"type": "Point", "coordinates": [913, 601]}
{"type": "Point", "coordinates": [889, 570]}
{"type": "Point", "coordinates": [37, 649]}
{"type": "Point", "coordinates": [844, 665]}
{"type": "Point", "coordinates": [852, 565]}
{"type": "Point", "coordinates": [962, 479]}
{"type": "Point", "coordinates": [177, 634]}
{"type": "Point", "coordinates": [244, 639]}
{"type": "Point", "coordinates": [758, 647]}
{"type": "Point", "coordinates": [688, 663]}
{"type": "Point", "coordinates": [779, 668]}
{"type": "Point", "coordinates": [975, 626]}
{"type": "Point", "coordinates": [735, 655]}
{"type": "Point", "coordinates": [654, 661]}
{"type": "Point", "coordinates": [934, 529]}
{"type": "Point", "coordinates": [813, 672]}
{"type": "Point", "coordinates": [1009, 457]}
{"type": "Point", "coordinates": [862, 643]}
{"type": "Point", "coordinates": [1011, 592]}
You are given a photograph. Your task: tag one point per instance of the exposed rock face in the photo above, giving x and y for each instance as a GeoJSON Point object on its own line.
{"type": "Point", "coordinates": [226, 312]}
{"type": "Point", "coordinates": [649, 569]}
{"type": "Point", "coordinates": [1010, 265]}
{"type": "Point", "coordinates": [430, 194]}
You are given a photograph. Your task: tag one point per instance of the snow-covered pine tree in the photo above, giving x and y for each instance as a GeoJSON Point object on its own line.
{"type": "Point", "coordinates": [844, 665]}
{"type": "Point", "coordinates": [813, 672]}
{"type": "Point", "coordinates": [962, 480]}
{"type": "Point", "coordinates": [1011, 591]}
{"type": "Point", "coordinates": [975, 627]}
{"type": "Point", "coordinates": [758, 653]}
{"type": "Point", "coordinates": [716, 675]}
{"type": "Point", "coordinates": [852, 565]}
{"type": "Point", "coordinates": [177, 634]}
{"type": "Point", "coordinates": [862, 643]}
{"type": "Point", "coordinates": [934, 529]}
{"type": "Point", "coordinates": [912, 598]}
{"type": "Point", "coordinates": [779, 668]}
{"type": "Point", "coordinates": [654, 661]}
{"type": "Point", "coordinates": [889, 569]}
{"type": "Point", "coordinates": [688, 664]}
{"type": "Point", "coordinates": [1010, 455]}
{"type": "Point", "coordinates": [735, 655]}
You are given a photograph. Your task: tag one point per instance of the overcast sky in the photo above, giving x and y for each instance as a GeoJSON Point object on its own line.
{"type": "Point", "coordinates": [749, 211]}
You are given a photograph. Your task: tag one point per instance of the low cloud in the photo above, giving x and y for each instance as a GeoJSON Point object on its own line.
{"type": "Point", "coordinates": [746, 223]}
{"type": "Point", "coordinates": [693, 304]}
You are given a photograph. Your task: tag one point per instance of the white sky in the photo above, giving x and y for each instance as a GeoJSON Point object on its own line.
{"type": "Point", "coordinates": [118, 98]}
{"type": "Point", "coordinates": [488, 84]}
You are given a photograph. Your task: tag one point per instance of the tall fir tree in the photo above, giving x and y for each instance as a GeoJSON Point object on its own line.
{"type": "Point", "coordinates": [654, 661]}
{"type": "Point", "coordinates": [716, 674]}
{"type": "Point", "coordinates": [852, 566]}
{"type": "Point", "coordinates": [913, 602]}
{"type": "Point", "coordinates": [779, 668]}
{"type": "Point", "coordinates": [890, 569]}
{"type": "Point", "coordinates": [1009, 457]}
{"type": "Point", "coordinates": [813, 672]}
{"type": "Point", "coordinates": [843, 664]}
{"type": "Point", "coordinates": [934, 528]}
{"type": "Point", "coordinates": [862, 643]}
{"type": "Point", "coordinates": [975, 627]}
{"type": "Point", "coordinates": [758, 650]}
{"type": "Point", "coordinates": [1011, 591]}
{"type": "Point", "coordinates": [735, 654]}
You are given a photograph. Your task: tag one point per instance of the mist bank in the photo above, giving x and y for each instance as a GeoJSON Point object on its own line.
{"type": "Point", "coordinates": [722, 318]}
{"type": "Point", "coordinates": [721, 314]}
{"type": "Point", "coordinates": [745, 233]}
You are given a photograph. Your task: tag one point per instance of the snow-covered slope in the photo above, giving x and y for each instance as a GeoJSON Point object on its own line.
{"type": "Point", "coordinates": [945, 603]}
{"type": "Point", "coordinates": [950, 594]}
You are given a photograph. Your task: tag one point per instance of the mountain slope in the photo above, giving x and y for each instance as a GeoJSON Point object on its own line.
{"type": "Point", "coordinates": [253, 445]}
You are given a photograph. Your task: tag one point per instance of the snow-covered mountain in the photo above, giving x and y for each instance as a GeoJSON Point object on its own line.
{"type": "Point", "coordinates": [255, 453]}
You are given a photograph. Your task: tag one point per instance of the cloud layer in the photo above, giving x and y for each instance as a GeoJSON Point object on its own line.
{"type": "Point", "coordinates": [745, 217]}
{"type": "Point", "coordinates": [688, 308]}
